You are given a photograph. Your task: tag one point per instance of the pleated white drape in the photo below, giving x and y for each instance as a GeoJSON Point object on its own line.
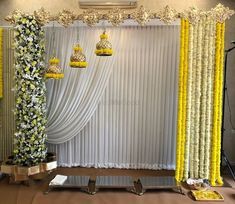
{"type": "Point", "coordinates": [73, 100]}
{"type": "Point", "coordinates": [134, 125]}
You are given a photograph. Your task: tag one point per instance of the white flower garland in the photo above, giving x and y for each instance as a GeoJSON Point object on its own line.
{"type": "Point", "coordinates": [197, 99]}
{"type": "Point", "coordinates": [189, 102]}
{"type": "Point", "coordinates": [209, 101]}
{"type": "Point", "coordinates": [30, 148]}
{"type": "Point", "coordinates": [200, 95]}
{"type": "Point", "coordinates": [192, 109]}
{"type": "Point", "coordinates": [205, 50]}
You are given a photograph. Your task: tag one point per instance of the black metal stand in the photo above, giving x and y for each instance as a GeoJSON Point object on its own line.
{"type": "Point", "coordinates": [223, 155]}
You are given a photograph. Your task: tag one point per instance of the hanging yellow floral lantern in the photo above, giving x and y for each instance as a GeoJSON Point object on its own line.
{"type": "Point", "coordinates": [104, 47]}
{"type": "Point", "coordinates": [54, 70]}
{"type": "Point", "coordinates": [78, 59]}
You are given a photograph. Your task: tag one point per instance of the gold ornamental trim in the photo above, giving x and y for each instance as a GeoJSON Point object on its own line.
{"type": "Point", "coordinates": [11, 18]}
{"type": "Point", "coordinates": [220, 13]}
{"type": "Point", "coordinates": [42, 16]}
{"type": "Point", "coordinates": [90, 17]}
{"type": "Point", "coordinates": [117, 16]}
{"type": "Point", "coordinates": [193, 14]}
{"type": "Point", "coordinates": [142, 16]}
{"type": "Point", "coordinates": [66, 18]}
{"type": "Point", "coordinates": [167, 15]}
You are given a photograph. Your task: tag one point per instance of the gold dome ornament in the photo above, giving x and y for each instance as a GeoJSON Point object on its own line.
{"type": "Point", "coordinates": [78, 59]}
{"type": "Point", "coordinates": [54, 70]}
{"type": "Point", "coordinates": [104, 47]}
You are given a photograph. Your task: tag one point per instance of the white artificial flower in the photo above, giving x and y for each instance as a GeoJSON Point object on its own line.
{"type": "Point", "coordinates": [30, 39]}
{"type": "Point", "coordinates": [23, 126]}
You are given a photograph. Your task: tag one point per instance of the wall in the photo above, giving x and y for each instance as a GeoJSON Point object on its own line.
{"type": "Point", "coordinates": [6, 6]}
{"type": "Point", "coordinates": [7, 120]}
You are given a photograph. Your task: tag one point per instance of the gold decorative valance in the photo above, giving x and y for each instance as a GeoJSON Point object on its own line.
{"type": "Point", "coordinates": [219, 13]}
{"type": "Point", "coordinates": [117, 16]}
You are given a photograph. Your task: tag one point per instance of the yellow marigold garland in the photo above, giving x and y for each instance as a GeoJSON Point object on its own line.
{"type": "Point", "coordinates": [78, 64]}
{"type": "Point", "coordinates": [218, 176]}
{"type": "Point", "coordinates": [54, 75]}
{"type": "Point", "coordinates": [215, 177]}
{"type": "Point", "coordinates": [184, 108]}
{"type": "Point", "coordinates": [1, 63]}
{"type": "Point", "coordinates": [104, 51]}
{"type": "Point", "coordinates": [180, 100]}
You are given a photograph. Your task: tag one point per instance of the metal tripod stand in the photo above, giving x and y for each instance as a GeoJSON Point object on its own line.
{"type": "Point", "coordinates": [223, 155]}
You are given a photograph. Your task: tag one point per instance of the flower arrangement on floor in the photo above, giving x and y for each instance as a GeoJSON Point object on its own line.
{"type": "Point", "coordinates": [30, 148]}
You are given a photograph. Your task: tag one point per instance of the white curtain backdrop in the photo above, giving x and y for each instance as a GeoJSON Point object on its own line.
{"type": "Point", "coordinates": [72, 101]}
{"type": "Point", "coordinates": [134, 124]}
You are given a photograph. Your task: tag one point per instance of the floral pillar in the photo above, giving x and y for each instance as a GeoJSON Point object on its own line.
{"type": "Point", "coordinates": [200, 94]}
{"type": "Point", "coordinates": [30, 148]}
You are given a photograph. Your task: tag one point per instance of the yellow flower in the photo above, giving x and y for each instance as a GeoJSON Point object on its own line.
{"type": "Point", "coordinates": [104, 52]}
{"type": "Point", "coordinates": [220, 102]}
{"type": "Point", "coordinates": [54, 76]}
{"type": "Point", "coordinates": [78, 64]}
{"type": "Point", "coordinates": [77, 48]}
{"type": "Point", "coordinates": [215, 177]}
{"type": "Point", "coordinates": [54, 60]}
{"type": "Point", "coordinates": [103, 36]}
{"type": "Point", "coordinates": [181, 104]}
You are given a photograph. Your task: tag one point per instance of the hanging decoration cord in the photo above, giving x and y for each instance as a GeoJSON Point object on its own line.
{"type": "Point", "coordinates": [103, 26]}
{"type": "Point", "coordinates": [78, 33]}
{"type": "Point", "coordinates": [53, 40]}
